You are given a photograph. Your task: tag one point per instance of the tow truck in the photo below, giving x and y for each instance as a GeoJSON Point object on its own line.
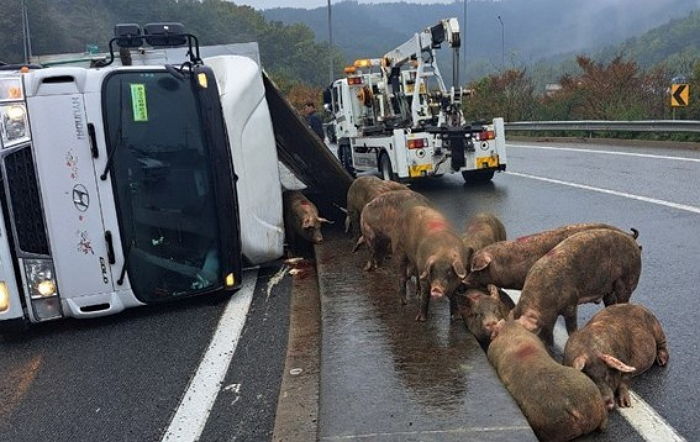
{"type": "Point", "coordinates": [143, 177]}
{"type": "Point", "coordinates": [395, 115]}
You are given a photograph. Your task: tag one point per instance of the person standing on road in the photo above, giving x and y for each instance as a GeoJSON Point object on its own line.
{"type": "Point", "coordinates": [313, 120]}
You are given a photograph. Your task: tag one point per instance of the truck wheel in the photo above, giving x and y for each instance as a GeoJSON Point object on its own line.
{"type": "Point", "coordinates": [477, 176]}
{"type": "Point", "coordinates": [385, 168]}
{"type": "Point", "coordinates": [345, 157]}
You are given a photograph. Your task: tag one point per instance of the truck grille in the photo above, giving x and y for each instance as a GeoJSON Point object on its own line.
{"type": "Point", "coordinates": [27, 214]}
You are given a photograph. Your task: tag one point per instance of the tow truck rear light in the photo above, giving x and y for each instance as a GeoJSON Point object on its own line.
{"type": "Point", "coordinates": [4, 297]}
{"type": "Point", "coordinates": [486, 135]}
{"type": "Point", "coordinates": [416, 144]}
{"type": "Point", "coordinates": [354, 80]}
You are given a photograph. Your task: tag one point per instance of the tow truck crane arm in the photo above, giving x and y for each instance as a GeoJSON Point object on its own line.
{"type": "Point", "coordinates": [429, 38]}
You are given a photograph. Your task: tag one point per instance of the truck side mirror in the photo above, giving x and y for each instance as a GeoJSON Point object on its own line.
{"type": "Point", "coordinates": [128, 35]}
{"type": "Point", "coordinates": [161, 35]}
{"type": "Point", "coordinates": [327, 99]}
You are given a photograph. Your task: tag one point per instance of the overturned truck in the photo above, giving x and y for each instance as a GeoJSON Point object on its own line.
{"type": "Point", "coordinates": [145, 177]}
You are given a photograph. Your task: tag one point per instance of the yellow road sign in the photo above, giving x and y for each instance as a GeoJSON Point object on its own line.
{"type": "Point", "coordinates": [680, 95]}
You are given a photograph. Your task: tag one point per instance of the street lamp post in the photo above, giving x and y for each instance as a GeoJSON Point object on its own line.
{"type": "Point", "coordinates": [330, 45]}
{"type": "Point", "coordinates": [464, 40]}
{"type": "Point", "coordinates": [503, 42]}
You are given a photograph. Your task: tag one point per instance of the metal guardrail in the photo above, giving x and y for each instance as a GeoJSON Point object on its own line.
{"type": "Point", "coordinates": [610, 126]}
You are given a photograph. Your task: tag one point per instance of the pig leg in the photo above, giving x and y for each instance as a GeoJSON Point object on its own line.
{"type": "Point", "coordinates": [622, 291]}
{"type": "Point", "coordinates": [661, 347]}
{"type": "Point", "coordinates": [570, 319]}
{"type": "Point", "coordinates": [403, 278]}
{"type": "Point", "coordinates": [422, 315]}
{"type": "Point", "coordinates": [547, 335]}
{"type": "Point", "coordinates": [623, 393]}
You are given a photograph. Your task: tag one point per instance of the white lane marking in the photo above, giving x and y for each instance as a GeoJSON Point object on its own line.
{"type": "Point", "coordinates": [607, 152]}
{"type": "Point", "coordinates": [196, 404]}
{"type": "Point", "coordinates": [646, 199]}
{"type": "Point", "coordinates": [641, 416]}
{"type": "Point", "coordinates": [457, 431]}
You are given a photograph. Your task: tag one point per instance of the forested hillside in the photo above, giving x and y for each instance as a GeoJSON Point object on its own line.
{"type": "Point", "coordinates": [534, 29]}
{"type": "Point", "coordinates": [288, 51]}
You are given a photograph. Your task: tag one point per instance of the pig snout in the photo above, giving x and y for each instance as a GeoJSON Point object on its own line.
{"type": "Point", "coordinates": [490, 325]}
{"type": "Point", "coordinates": [437, 290]}
{"type": "Point", "coordinates": [317, 237]}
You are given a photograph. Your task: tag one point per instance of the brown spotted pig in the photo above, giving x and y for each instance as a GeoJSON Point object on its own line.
{"type": "Point", "coordinates": [559, 402]}
{"type": "Point", "coordinates": [427, 246]}
{"type": "Point", "coordinates": [586, 267]}
{"type": "Point", "coordinates": [619, 342]}
{"type": "Point", "coordinates": [363, 190]}
{"type": "Point", "coordinates": [301, 218]}
{"type": "Point", "coordinates": [481, 230]}
{"type": "Point", "coordinates": [481, 311]}
{"type": "Point", "coordinates": [506, 263]}
{"type": "Point", "coordinates": [379, 219]}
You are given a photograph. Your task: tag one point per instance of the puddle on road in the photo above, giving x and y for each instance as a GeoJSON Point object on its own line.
{"type": "Point", "coordinates": [382, 370]}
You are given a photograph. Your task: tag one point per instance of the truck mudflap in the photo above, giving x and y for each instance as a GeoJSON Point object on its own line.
{"type": "Point", "coordinates": [306, 155]}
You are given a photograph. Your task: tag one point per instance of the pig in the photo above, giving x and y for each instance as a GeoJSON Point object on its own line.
{"type": "Point", "coordinates": [301, 218]}
{"type": "Point", "coordinates": [559, 402]}
{"type": "Point", "coordinates": [481, 230]}
{"type": "Point", "coordinates": [586, 267]}
{"type": "Point", "coordinates": [481, 311]}
{"type": "Point", "coordinates": [378, 221]}
{"type": "Point", "coordinates": [426, 246]}
{"type": "Point", "coordinates": [506, 263]}
{"type": "Point", "coordinates": [363, 190]}
{"type": "Point", "coordinates": [619, 342]}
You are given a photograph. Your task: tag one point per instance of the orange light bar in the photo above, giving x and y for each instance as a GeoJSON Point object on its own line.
{"type": "Point", "coordinates": [416, 144]}
{"type": "Point", "coordinates": [350, 69]}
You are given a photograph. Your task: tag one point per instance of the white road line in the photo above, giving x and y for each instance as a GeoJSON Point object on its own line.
{"type": "Point", "coordinates": [641, 416]}
{"type": "Point", "coordinates": [646, 199]}
{"type": "Point", "coordinates": [196, 404]}
{"type": "Point", "coordinates": [607, 152]}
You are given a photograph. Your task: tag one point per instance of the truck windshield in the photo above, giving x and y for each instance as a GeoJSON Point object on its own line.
{"type": "Point", "coordinates": [161, 173]}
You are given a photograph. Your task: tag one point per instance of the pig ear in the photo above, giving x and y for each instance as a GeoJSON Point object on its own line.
{"type": "Point", "coordinates": [493, 291]}
{"type": "Point", "coordinates": [480, 262]}
{"type": "Point", "coordinates": [613, 362]}
{"type": "Point", "coordinates": [473, 297]}
{"type": "Point", "coordinates": [459, 269]}
{"type": "Point", "coordinates": [580, 362]}
{"type": "Point", "coordinates": [324, 220]}
{"type": "Point", "coordinates": [428, 266]}
{"type": "Point", "coordinates": [531, 324]}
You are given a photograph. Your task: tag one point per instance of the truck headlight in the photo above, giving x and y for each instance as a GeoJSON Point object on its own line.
{"type": "Point", "coordinates": [41, 280]}
{"type": "Point", "coordinates": [14, 126]}
{"type": "Point", "coordinates": [43, 290]}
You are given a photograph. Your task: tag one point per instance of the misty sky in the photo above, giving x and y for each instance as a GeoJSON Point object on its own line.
{"type": "Point", "coordinates": [266, 4]}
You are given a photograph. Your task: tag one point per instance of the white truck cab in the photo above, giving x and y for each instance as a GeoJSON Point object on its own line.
{"type": "Point", "coordinates": [130, 185]}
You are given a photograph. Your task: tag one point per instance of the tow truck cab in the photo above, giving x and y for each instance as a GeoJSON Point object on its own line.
{"type": "Point", "coordinates": [118, 185]}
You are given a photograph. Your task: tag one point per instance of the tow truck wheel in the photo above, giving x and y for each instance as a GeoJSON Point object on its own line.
{"type": "Point", "coordinates": [385, 168]}
{"type": "Point", "coordinates": [345, 157]}
{"type": "Point", "coordinates": [477, 176]}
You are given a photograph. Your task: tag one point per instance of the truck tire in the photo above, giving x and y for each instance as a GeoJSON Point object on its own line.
{"type": "Point", "coordinates": [477, 176]}
{"type": "Point", "coordinates": [345, 157]}
{"type": "Point", "coordinates": [385, 169]}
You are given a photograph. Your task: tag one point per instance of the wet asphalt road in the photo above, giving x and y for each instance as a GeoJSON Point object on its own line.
{"type": "Point", "coordinates": [121, 378]}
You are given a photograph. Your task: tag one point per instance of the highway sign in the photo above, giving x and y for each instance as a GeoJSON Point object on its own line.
{"type": "Point", "coordinates": [680, 95]}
